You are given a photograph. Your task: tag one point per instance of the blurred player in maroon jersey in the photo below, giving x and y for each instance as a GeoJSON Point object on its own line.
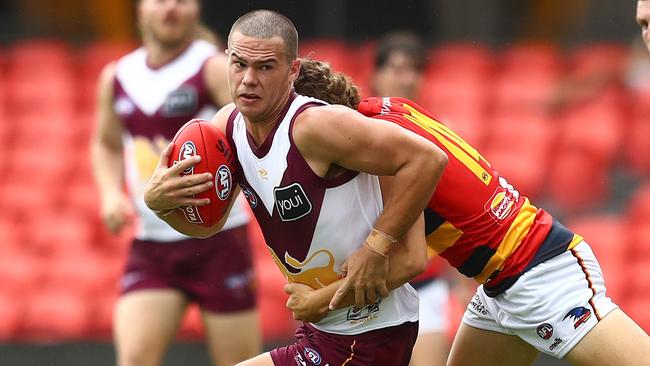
{"type": "Point", "coordinates": [143, 99]}
{"type": "Point", "coordinates": [541, 289]}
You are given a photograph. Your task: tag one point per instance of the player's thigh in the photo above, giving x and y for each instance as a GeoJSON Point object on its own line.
{"type": "Point", "coordinates": [145, 322]}
{"type": "Point", "coordinates": [478, 347]}
{"type": "Point", "coordinates": [232, 337]}
{"type": "Point", "coordinates": [431, 349]}
{"type": "Point", "coordinates": [261, 360]}
{"type": "Point", "coordinates": [615, 340]}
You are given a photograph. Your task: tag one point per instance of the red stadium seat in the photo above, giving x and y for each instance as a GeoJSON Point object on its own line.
{"type": "Point", "coordinates": [96, 55]}
{"type": "Point", "coordinates": [638, 277]}
{"type": "Point", "coordinates": [11, 313]}
{"type": "Point", "coordinates": [544, 58]}
{"type": "Point", "coordinates": [334, 52]}
{"type": "Point", "coordinates": [607, 237]}
{"type": "Point", "coordinates": [638, 224]}
{"type": "Point", "coordinates": [578, 181]}
{"type": "Point", "coordinates": [599, 57]}
{"type": "Point", "coordinates": [637, 308]}
{"type": "Point", "coordinates": [20, 273]}
{"type": "Point", "coordinates": [35, 57]}
{"type": "Point", "coordinates": [523, 91]}
{"type": "Point", "coordinates": [55, 315]}
{"type": "Point", "coordinates": [636, 148]}
{"type": "Point", "coordinates": [458, 56]}
{"type": "Point", "coordinates": [57, 233]}
{"type": "Point", "coordinates": [102, 319]}
{"type": "Point", "coordinates": [597, 128]}
{"type": "Point", "coordinates": [81, 272]}
{"type": "Point", "coordinates": [521, 132]}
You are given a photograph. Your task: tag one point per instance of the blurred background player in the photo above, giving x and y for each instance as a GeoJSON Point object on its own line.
{"type": "Point", "coordinates": [400, 60]}
{"type": "Point", "coordinates": [143, 99]}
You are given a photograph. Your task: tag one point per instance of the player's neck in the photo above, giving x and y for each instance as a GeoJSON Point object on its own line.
{"type": "Point", "coordinates": [159, 54]}
{"type": "Point", "coordinates": [259, 129]}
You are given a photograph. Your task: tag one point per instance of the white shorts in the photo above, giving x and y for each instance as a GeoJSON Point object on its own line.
{"type": "Point", "coordinates": [551, 307]}
{"type": "Point", "coordinates": [434, 305]}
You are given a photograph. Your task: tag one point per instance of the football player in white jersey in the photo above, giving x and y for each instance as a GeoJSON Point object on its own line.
{"type": "Point", "coordinates": [333, 141]}
{"type": "Point", "coordinates": [143, 99]}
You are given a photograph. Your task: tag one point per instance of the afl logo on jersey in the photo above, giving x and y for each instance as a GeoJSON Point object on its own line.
{"type": "Point", "coordinates": [291, 202]}
{"type": "Point", "coordinates": [188, 150]}
{"type": "Point", "coordinates": [312, 356]}
{"type": "Point", "coordinates": [223, 182]}
{"type": "Point", "coordinates": [545, 331]}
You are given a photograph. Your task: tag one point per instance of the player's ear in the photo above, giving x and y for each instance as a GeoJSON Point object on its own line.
{"type": "Point", "coordinates": [294, 70]}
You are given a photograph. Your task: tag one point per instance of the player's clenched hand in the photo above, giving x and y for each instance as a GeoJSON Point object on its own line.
{"type": "Point", "coordinates": [116, 211]}
{"type": "Point", "coordinates": [301, 305]}
{"type": "Point", "coordinates": [365, 274]}
{"type": "Point", "coordinates": [168, 189]}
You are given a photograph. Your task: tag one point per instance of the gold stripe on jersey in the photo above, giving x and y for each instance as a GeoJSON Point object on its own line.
{"type": "Point", "coordinates": [575, 241]}
{"type": "Point", "coordinates": [443, 237]}
{"type": "Point", "coordinates": [514, 236]}
{"type": "Point", "coordinates": [465, 153]}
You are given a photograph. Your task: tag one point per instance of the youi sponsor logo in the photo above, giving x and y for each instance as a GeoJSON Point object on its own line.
{"type": "Point", "coordinates": [291, 202]}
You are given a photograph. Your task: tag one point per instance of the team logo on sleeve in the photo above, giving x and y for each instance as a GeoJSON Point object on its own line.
{"type": "Point", "coordinates": [291, 202]}
{"type": "Point", "coordinates": [579, 315]}
{"type": "Point", "coordinates": [249, 195]}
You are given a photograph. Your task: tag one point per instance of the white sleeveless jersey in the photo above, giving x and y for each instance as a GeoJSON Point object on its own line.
{"type": "Point", "coordinates": [311, 224]}
{"type": "Point", "coordinates": [153, 104]}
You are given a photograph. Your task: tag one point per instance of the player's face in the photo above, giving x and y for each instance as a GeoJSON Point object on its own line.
{"type": "Point", "coordinates": [399, 77]}
{"type": "Point", "coordinates": [259, 75]}
{"type": "Point", "coordinates": [643, 19]}
{"type": "Point", "coordinates": [170, 22]}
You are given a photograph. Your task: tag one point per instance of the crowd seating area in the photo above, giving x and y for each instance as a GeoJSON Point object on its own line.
{"type": "Point", "coordinates": [557, 124]}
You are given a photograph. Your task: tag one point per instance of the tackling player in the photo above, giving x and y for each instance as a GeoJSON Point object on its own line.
{"type": "Point", "coordinates": [542, 288]}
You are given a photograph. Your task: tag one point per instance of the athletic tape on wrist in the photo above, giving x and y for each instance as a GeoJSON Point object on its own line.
{"type": "Point", "coordinates": [380, 242]}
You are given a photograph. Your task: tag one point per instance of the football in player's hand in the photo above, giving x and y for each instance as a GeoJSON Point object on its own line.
{"type": "Point", "coordinates": [200, 137]}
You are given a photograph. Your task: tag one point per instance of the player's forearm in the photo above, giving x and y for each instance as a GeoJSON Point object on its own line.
{"type": "Point", "coordinates": [413, 185]}
{"type": "Point", "coordinates": [405, 264]}
{"type": "Point", "coordinates": [108, 169]}
{"type": "Point", "coordinates": [178, 222]}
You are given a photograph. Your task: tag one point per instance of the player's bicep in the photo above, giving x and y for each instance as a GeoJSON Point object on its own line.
{"type": "Point", "coordinates": [356, 142]}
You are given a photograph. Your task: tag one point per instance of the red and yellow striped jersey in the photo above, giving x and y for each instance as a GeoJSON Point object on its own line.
{"type": "Point", "coordinates": [475, 219]}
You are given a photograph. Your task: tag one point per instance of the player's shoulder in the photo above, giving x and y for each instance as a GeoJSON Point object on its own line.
{"type": "Point", "coordinates": [220, 119]}
{"type": "Point", "coordinates": [319, 114]}
{"type": "Point", "coordinates": [107, 75]}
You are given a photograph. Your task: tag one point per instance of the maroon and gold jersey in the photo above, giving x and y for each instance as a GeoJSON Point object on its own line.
{"type": "Point", "coordinates": [475, 219]}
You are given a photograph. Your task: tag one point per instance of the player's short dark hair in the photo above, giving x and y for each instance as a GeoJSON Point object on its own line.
{"type": "Point", "coordinates": [266, 24]}
{"type": "Point", "coordinates": [404, 42]}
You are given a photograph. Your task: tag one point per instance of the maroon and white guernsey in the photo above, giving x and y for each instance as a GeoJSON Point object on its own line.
{"type": "Point", "coordinates": [312, 224]}
{"type": "Point", "coordinates": [153, 104]}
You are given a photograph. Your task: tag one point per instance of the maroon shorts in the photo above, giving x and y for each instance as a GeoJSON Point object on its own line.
{"type": "Point", "coordinates": [389, 346]}
{"type": "Point", "coordinates": [216, 273]}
